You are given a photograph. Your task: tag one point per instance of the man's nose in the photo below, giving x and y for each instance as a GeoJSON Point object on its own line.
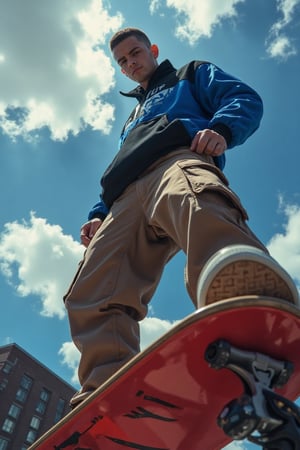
{"type": "Point", "coordinates": [131, 62]}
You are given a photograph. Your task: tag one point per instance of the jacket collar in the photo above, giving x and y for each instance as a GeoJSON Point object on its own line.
{"type": "Point", "coordinates": [162, 70]}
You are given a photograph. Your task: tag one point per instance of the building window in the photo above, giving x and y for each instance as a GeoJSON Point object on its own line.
{"type": "Point", "coordinates": [21, 395]}
{"type": "Point", "coordinates": [31, 436]}
{"type": "Point", "coordinates": [33, 430]}
{"type": "Point", "coordinates": [3, 384]}
{"type": "Point", "coordinates": [23, 391]}
{"type": "Point", "coordinates": [35, 423]}
{"type": "Point", "coordinates": [7, 368]}
{"type": "Point", "coordinates": [45, 395]}
{"type": "Point", "coordinates": [8, 425]}
{"type": "Point", "coordinates": [44, 398]}
{"type": "Point", "coordinates": [14, 411]}
{"type": "Point", "coordinates": [26, 382]}
{"type": "Point", "coordinates": [3, 443]}
{"type": "Point", "coordinates": [12, 416]}
{"type": "Point", "coordinates": [59, 410]}
{"type": "Point", "coordinates": [40, 407]}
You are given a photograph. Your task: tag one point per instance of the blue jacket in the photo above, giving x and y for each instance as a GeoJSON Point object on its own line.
{"type": "Point", "coordinates": [175, 106]}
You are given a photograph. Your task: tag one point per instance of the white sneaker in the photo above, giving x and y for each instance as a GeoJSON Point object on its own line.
{"type": "Point", "coordinates": [240, 270]}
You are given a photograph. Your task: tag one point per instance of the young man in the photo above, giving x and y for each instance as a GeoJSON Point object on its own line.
{"type": "Point", "coordinates": [164, 192]}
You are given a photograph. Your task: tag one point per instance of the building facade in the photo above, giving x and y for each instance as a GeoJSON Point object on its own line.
{"type": "Point", "coordinates": [32, 398]}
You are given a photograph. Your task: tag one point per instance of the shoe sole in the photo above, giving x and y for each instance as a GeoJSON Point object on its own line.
{"type": "Point", "coordinates": [247, 278]}
{"type": "Point", "coordinates": [243, 270]}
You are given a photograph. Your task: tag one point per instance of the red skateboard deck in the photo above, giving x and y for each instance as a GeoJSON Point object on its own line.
{"type": "Point", "coordinates": [168, 397]}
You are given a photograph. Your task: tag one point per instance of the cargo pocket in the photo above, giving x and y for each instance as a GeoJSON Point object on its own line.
{"type": "Point", "coordinates": [80, 264]}
{"type": "Point", "coordinates": [201, 177]}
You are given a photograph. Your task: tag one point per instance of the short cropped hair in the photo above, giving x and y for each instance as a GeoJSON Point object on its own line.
{"type": "Point", "coordinates": [119, 36]}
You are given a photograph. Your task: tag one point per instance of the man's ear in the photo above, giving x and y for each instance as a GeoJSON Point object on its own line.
{"type": "Point", "coordinates": [154, 50]}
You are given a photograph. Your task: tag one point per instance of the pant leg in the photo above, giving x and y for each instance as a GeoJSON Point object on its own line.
{"type": "Point", "coordinates": [195, 207]}
{"type": "Point", "coordinates": [182, 201]}
{"type": "Point", "coordinates": [110, 292]}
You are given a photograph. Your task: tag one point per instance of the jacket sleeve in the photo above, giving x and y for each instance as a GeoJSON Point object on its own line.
{"type": "Point", "coordinates": [99, 210]}
{"type": "Point", "coordinates": [234, 108]}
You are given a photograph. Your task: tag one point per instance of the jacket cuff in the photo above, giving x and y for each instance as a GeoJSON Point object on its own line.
{"type": "Point", "coordinates": [224, 130]}
{"type": "Point", "coordinates": [97, 216]}
{"type": "Point", "coordinates": [99, 211]}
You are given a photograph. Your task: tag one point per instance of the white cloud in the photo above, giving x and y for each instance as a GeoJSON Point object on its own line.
{"type": "Point", "coordinates": [154, 6]}
{"type": "Point", "coordinates": [281, 48]}
{"type": "Point", "coordinates": [70, 358]}
{"type": "Point", "coordinates": [38, 259]}
{"type": "Point", "coordinates": [285, 246]}
{"type": "Point", "coordinates": [278, 44]}
{"type": "Point", "coordinates": [153, 328]}
{"type": "Point", "coordinates": [54, 70]}
{"type": "Point", "coordinates": [287, 8]}
{"type": "Point", "coordinates": [198, 18]}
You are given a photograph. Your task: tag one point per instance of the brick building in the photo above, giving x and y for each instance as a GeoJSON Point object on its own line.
{"type": "Point", "coordinates": [32, 398]}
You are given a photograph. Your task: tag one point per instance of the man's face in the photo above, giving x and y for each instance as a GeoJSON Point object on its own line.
{"type": "Point", "coordinates": [136, 59]}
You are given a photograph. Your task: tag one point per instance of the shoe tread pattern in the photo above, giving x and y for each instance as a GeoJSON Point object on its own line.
{"type": "Point", "coordinates": [247, 278]}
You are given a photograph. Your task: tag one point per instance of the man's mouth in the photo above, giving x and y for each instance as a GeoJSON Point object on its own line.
{"type": "Point", "coordinates": [136, 70]}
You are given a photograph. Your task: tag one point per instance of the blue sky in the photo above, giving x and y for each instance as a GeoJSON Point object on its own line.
{"type": "Point", "coordinates": [60, 118]}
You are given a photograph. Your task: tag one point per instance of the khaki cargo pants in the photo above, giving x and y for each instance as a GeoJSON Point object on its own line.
{"type": "Point", "coordinates": [181, 202]}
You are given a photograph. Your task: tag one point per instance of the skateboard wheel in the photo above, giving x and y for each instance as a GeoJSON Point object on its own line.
{"type": "Point", "coordinates": [217, 354]}
{"type": "Point", "coordinates": [284, 375]}
{"type": "Point", "coordinates": [238, 419]}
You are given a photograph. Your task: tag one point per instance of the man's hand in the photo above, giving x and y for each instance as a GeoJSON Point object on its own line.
{"type": "Point", "coordinates": [88, 230]}
{"type": "Point", "coordinates": [208, 142]}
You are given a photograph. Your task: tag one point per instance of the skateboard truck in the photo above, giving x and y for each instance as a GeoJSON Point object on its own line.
{"type": "Point", "coordinates": [259, 414]}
